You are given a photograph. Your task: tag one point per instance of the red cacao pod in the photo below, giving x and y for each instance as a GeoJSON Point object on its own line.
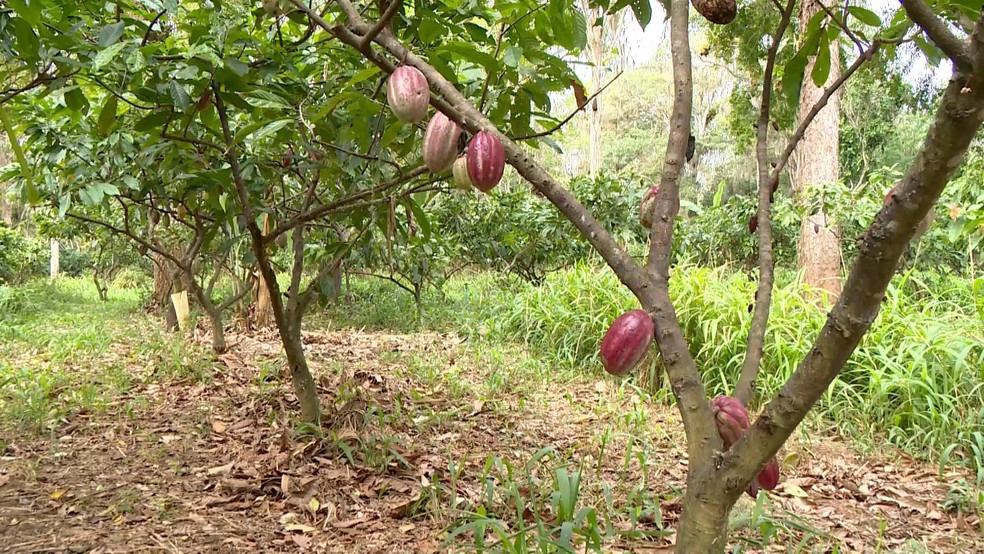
{"type": "Point", "coordinates": [408, 94]}
{"type": "Point", "coordinates": [460, 173]}
{"type": "Point", "coordinates": [441, 143]}
{"type": "Point", "coordinates": [753, 223]}
{"type": "Point", "coordinates": [627, 341]}
{"type": "Point", "coordinates": [767, 479]}
{"type": "Point", "coordinates": [647, 205]}
{"type": "Point", "coordinates": [731, 419]}
{"type": "Point", "coordinates": [720, 12]}
{"type": "Point", "coordinates": [486, 161]}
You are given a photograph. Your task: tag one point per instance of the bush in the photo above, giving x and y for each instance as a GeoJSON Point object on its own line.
{"type": "Point", "coordinates": [131, 278]}
{"type": "Point", "coordinates": [20, 257]}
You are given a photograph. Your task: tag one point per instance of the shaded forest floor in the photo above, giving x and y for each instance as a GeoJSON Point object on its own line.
{"type": "Point", "coordinates": [429, 436]}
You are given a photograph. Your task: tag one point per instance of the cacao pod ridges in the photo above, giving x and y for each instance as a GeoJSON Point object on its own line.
{"type": "Point", "coordinates": [441, 143]}
{"type": "Point", "coordinates": [408, 94]}
{"type": "Point", "coordinates": [627, 341]}
{"type": "Point", "coordinates": [731, 419]}
{"type": "Point", "coordinates": [486, 161]}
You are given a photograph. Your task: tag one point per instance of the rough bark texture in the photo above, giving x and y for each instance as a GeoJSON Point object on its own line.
{"type": "Point", "coordinates": [264, 310]}
{"type": "Point", "coordinates": [166, 282]}
{"type": "Point", "coordinates": [816, 162]}
{"type": "Point", "coordinates": [54, 263]}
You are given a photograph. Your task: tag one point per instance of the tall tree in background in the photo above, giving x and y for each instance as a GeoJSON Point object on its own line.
{"type": "Point", "coordinates": [816, 163]}
{"type": "Point", "coordinates": [604, 31]}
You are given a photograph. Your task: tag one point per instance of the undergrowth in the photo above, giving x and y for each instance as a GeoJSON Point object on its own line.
{"type": "Point", "coordinates": [916, 380]}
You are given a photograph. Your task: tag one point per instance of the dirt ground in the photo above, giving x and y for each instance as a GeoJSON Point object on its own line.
{"type": "Point", "coordinates": [422, 435]}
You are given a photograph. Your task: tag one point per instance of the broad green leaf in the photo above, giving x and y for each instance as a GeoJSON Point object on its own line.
{"type": "Point", "coordinates": [363, 75]}
{"type": "Point", "coordinates": [512, 56]}
{"type": "Point", "coordinates": [643, 12]}
{"type": "Point", "coordinates": [430, 29]}
{"type": "Point", "coordinates": [236, 66]}
{"type": "Point", "coordinates": [107, 55]}
{"type": "Point", "coordinates": [27, 41]}
{"type": "Point", "coordinates": [109, 34]}
{"type": "Point", "coordinates": [29, 10]}
{"type": "Point", "coordinates": [821, 65]}
{"type": "Point", "coordinates": [264, 130]}
{"type": "Point", "coordinates": [180, 96]}
{"type": "Point", "coordinates": [865, 16]}
{"type": "Point", "coordinates": [472, 54]}
{"type": "Point", "coordinates": [75, 100]}
{"type": "Point", "coordinates": [153, 121]}
{"type": "Point", "coordinates": [108, 115]}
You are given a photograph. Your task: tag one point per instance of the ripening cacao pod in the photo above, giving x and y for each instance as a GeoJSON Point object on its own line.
{"type": "Point", "coordinates": [647, 205]}
{"type": "Point", "coordinates": [486, 161]}
{"type": "Point", "coordinates": [731, 418]}
{"type": "Point", "coordinates": [923, 225]}
{"type": "Point", "coordinates": [753, 224]}
{"type": "Point", "coordinates": [182, 211]}
{"type": "Point", "coordinates": [408, 94]}
{"type": "Point", "coordinates": [627, 341]}
{"type": "Point", "coordinates": [460, 173]}
{"type": "Point", "coordinates": [720, 12]}
{"type": "Point", "coordinates": [441, 143]}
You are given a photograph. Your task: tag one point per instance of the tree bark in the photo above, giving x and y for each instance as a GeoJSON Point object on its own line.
{"type": "Point", "coordinates": [596, 43]}
{"type": "Point", "coordinates": [817, 163]}
{"type": "Point", "coordinates": [264, 315]}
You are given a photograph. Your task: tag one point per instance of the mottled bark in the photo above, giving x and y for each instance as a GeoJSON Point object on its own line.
{"type": "Point", "coordinates": [264, 309]}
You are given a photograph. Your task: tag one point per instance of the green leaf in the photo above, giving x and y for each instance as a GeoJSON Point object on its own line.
{"type": "Point", "coordinates": [430, 29]}
{"type": "Point", "coordinates": [821, 65]}
{"type": "Point", "coordinates": [107, 55]}
{"type": "Point", "coordinates": [109, 34]}
{"type": "Point", "coordinates": [108, 115]}
{"type": "Point", "coordinates": [30, 11]}
{"type": "Point", "coordinates": [865, 16]}
{"type": "Point", "coordinates": [421, 218]}
{"type": "Point", "coordinates": [512, 56]}
{"type": "Point", "coordinates": [236, 66]}
{"type": "Point", "coordinates": [180, 96]}
{"type": "Point", "coordinates": [63, 204]}
{"type": "Point", "coordinates": [266, 100]}
{"type": "Point", "coordinates": [472, 54]}
{"type": "Point", "coordinates": [261, 129]}
{"type": "Point", "coordinates": [362, 75]}
{"type": "Point", "coordinates": [75, 100]}
{"type": "Point", "coordinates": [28, 43]}
{"type": "Point", "coordinates": [153, 121]}
{"type": "Point", "coordinates": [643, 12]}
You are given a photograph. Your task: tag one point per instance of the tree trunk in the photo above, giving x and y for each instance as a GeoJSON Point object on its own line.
{"type": "Point", "coordinates": [817, 163]}
{"type": "Point", "coordinates": [166, 282]}
{"type": "Point", "coordinates": [596, 43]}
{"type": "Point", "coordinates": [54, 263]}
{"type": "Point", "coordinates": [264, 310]}
{"type": "Point", "coordinates": [703, 527]}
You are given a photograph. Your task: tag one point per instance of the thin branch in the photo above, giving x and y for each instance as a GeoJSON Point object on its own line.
{"type": "Point", "coordinates": [384, 19]}
{"type": "Point", "coordinates": [150, 27]}
{"type": "Point", "coordinates": [843, 26]}
{"type": "Point", "coordinates": [865, 56]}
{"type": "Point", "coordinates": [563, 122]}
{"type": "Point", "coordinates": [957, 120]}
{"type": "Point", "coordinates": [957, 49]}
{"type": "Point", "coordinates": [763, 297]}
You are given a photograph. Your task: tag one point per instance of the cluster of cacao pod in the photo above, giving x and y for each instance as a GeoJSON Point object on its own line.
{"type": "Point", "coordinates": [731, 419]}
{"type": "Point", "coordinates": [482, 166]}
{"type": "Point", "coordinates": [626, 342]}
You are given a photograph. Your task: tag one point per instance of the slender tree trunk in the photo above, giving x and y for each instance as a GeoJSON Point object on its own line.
{"type": "Point", "coordinates": [166, 282]}
{"type": "Point", "coordinates": [264, 309]}
{"type": "Point", "coordinates": [54, 265]}
{"type": "Point", "coordinates": [596, 43]}
{"type": "Point", "coordinates": [817, 163]}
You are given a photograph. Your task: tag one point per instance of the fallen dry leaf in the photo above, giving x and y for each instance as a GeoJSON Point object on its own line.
{"type": "Point", "coordinates": [55, 495]}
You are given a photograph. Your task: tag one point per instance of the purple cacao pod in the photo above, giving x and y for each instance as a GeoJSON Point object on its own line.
{"type": "Point", "coordinates": [627, 341]}
{"type": "Point", "coordinates": [460, 173]}
{"type": "Point", "coordinates": [486, 161]}
{"type": "Point", "coordinates": [731, 419]}
{"type": "Point", "coordinates": [441, 143]}
{"type": "Point", "coordinates": [408, 94]}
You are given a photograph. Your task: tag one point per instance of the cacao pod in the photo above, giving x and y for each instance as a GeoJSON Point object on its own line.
{"type": "Point", "coordinates": [720, 12]}
{"type": "Point", "coordinates": [460, 173]}
{"type": "Point", "coordinates": [182, 211]}
{"type": "Point", "coordinates": [441, 143]}
{"type": "Point", "coordinates": [731, 419]}
{"type": "Point", "coordinates": [408, 94]}
{"type": "Point", "coordinates": [647, 205]}
{"type": "Point", "coordinates": [486, 161]}
{"type": "Point", "coordinates": [753, 224]}
{"type": "Point", "coordinates": [627, 341]}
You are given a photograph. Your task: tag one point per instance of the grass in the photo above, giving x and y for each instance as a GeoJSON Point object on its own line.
{"type": "Point", "coordinates": [916, 380]}
{"type": "Point", "coordinates": [60, 352]}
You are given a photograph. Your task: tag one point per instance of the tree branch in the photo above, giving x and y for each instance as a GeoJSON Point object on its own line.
{"type": "Point", "coordinates": [558, 126]}
{"type": "Point", "coordinates": [939, 33]}
{"type": "Point", "coordinates": [958, 118]}
{"type": "Point", "coordinates": [385, 18]}
{"type": "Point", "coordinates": [763, 298]}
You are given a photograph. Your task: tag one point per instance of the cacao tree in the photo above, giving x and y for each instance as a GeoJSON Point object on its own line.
{"type": "Point", "coordinates": [718, 475]}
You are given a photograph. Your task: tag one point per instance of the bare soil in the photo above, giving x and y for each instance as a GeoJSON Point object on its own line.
{"type": "Point", "coordinates": [417, 424]}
